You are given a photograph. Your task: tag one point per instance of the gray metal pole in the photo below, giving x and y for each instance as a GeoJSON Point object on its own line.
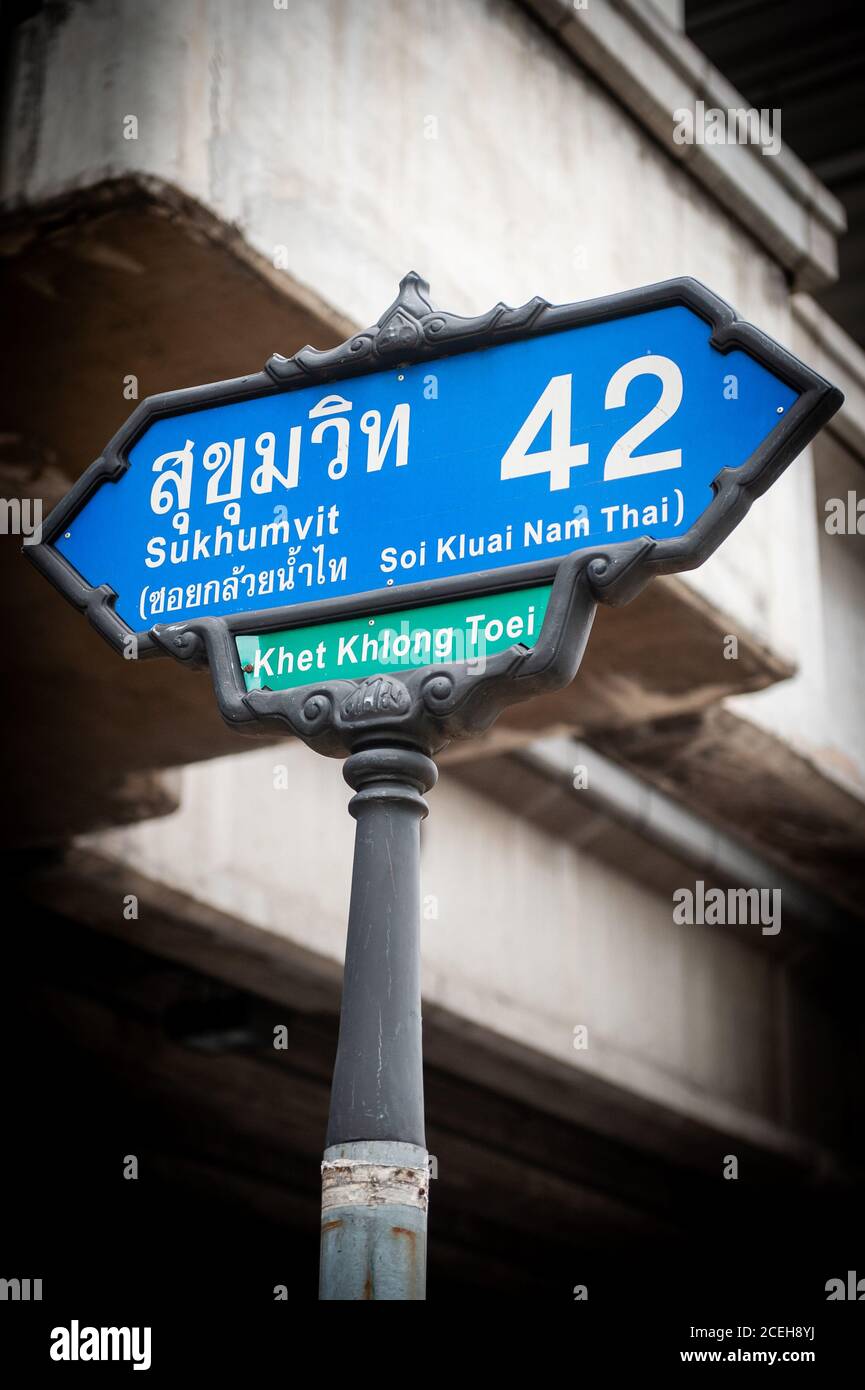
{"type": "Point", "coordinates": [375, 1173]}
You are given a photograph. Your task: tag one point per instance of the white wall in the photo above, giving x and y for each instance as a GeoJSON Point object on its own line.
{"type": "Point", "coordinates": [307, 127]}
{"type": "Point", "coordinates": [531, 939]}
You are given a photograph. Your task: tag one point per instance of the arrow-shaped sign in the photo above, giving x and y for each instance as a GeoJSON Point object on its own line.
{"type": "Point", "coordinates": [432, 458]}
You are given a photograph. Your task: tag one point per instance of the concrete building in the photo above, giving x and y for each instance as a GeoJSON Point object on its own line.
{"type": "Point", "coordinates": [188, 188]}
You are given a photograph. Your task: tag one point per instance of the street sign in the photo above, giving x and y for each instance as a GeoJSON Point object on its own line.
{"type": "Point", "coordinates": [430, 457]}
{"type": "Point", "coordinates": [469, 629]}
{"type": "Point", "coordinates": [381, 546]}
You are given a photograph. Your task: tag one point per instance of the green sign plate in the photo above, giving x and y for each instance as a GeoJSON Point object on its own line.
{"type": "Point", "coordinates": [466, 629]}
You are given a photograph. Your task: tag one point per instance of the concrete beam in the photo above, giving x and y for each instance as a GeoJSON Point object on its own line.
{"type": "Point", "coordinates": [679, 1123]}
{"type": "Point", "coordinates": [654, 70]}
{"type": "Point", "coordinates": [832, 352]}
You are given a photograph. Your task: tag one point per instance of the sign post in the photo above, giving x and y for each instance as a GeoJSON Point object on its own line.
{"type": "Point", "coordinates": [375, 1174]}
{"type": "Point", "coordinates": [377, 549]}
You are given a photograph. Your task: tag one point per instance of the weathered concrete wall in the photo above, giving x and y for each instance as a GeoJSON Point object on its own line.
{"type": "Point", "coordinates": [332, 131]}
{"type": "Point", "coordinates": [523, 935]}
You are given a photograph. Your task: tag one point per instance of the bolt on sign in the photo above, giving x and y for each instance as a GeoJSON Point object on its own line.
{"type": "Point", "coordinates": [426, 463]}
{"type": "Point", "coordinates": [380, 547]}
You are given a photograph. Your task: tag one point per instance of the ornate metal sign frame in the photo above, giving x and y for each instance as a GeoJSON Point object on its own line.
{"type": "Point", "coordinates": [428, 707]}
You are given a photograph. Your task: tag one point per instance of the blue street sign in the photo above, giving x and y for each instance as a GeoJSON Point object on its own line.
{"type": "Point", "coordinates": [329, 482]}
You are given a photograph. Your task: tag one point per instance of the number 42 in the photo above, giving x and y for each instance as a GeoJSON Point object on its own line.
{"type": "Point", "coordinates": [555, 403]}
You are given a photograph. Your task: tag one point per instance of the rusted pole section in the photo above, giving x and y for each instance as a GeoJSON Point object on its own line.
{"type": "Point", "coordinates": [375, 1173]}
